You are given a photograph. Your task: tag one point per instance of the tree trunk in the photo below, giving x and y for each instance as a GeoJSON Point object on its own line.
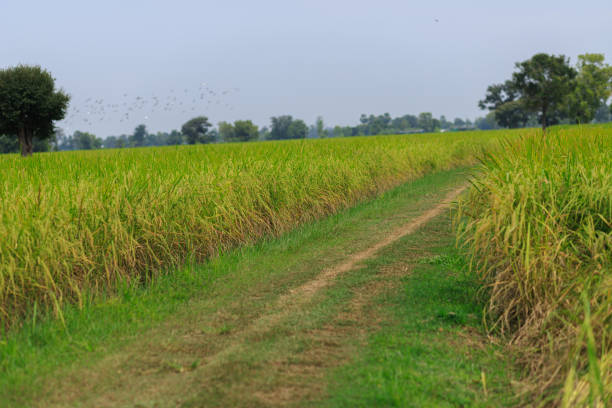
{"type": "Point", "coordinates": [30, 141]}
{"type": "Point", "coordinates": [22, 142]}
{"type": "Point", "coordinates": [544, 121]}
{"type": "Point", "coordinates": [25, 142]}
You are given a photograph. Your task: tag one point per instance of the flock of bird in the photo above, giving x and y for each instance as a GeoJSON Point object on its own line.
{"type": "Point", "coordinates": [138, 108]}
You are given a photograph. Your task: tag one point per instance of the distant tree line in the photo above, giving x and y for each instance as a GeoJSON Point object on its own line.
{"type": "Point", "coordinates": [421, 123]}
{"type": "Point", "coordinates": [195, 131]}
{"type": "Point", "coordinates": [543, 91]}
{"type": "Point", "coordinates": [26, 123]}
{"type": "Point", "coordinates": [199, 130]}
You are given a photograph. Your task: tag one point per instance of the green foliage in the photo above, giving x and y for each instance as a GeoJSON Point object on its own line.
{"type": "Point", "coordinates": [285, 127]}
{"type": "Point", "coordinates": [320, 128]}
{"type": "Point", "coordinates": [8, 144]}
{"type": "Point", "coordinates": [226, 131]}
{"type": "Point", "coordinates": [458, 122]}
{"type": "Point", "coordinates": [80, 141]}
{"type": "Point", "coordinates": [544, 82]}
{"type": "Point", "coordinates": [86, 141]}
{"type": "Point", "coordinates": [297, 130]}
{"type": "Point", "coordinates": [489, 122]}
{"type": "Point", "coordinates": [426, 121]}
{"type": "Point", "coordinates": [385, 124]}
{"type": "Point", "coordinates": [503, 100]}
{"type": "Point", "coordinates": [603, 114]}
{"type": "Point", "coordinates": [138, 137]}
{"type": "Point", "coordinates": [547, 86]}
{"type": "Point", "coordinates": [245, 130]}
{"type": "Point", "coordinates": [445, 124]}
{"type": "Point", "coordinates": [374, 125]}
{"type": "Point", "coordinates": [196, 131]}
{"type": "Point", "coordinates": [240, 131]}
{"type": "Point", "coordinates": [29, 104]}
{"type": "Point", "coordinates": [345, 131]}
{"type": "Point", "coordinates": [264, 133]}
{"type": "Point", "coordinates": [279, 127]}
{"type": "Point", "coordinates": [111, 142]}
{"type": "Point", "coordinates": [593, 88]}
{"type": "Point", "coordinates": [337, 131]}
{"type": "Point", "coordinates": [175, 138]}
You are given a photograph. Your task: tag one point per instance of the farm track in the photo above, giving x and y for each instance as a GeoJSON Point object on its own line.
{"type": "Point", "coordinates": [170, 368]}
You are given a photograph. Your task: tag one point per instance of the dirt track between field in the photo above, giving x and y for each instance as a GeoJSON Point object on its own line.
{"type": "Point", "coordinates": [147, 374]}
{"type": "Point", "coordinates": [307, 290]}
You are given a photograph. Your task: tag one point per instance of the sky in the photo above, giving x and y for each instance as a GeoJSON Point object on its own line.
{"type": "Point", "coordinates": [161, 63]}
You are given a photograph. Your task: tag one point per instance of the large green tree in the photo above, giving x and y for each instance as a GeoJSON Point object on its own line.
{"type": "Point", "coordinates": [240, 131]}
{"type": "Point", "coordinates": [279, 127]}
{"type": "Point", "coordinates": [541, 88]}
{"type": "Point", "coordinates": [245, 130]}
{"type": "Point", "coordinates": [285, 127]}
{"type": "Point", "coordinates": [139, 136]}
{"type": "Point", "coordinates": [297, 130]}
{"type": "Point", "coordinates": [503, 100]}
{"type": "Point", "coordinates": [426, 121]}
{"type": "Point", "coordinates": [593, 88]}
{"type": "Point", "coordinates": [196, 130]}
{"type": "Point", "coordinates": [544, 83]}
{"type": "Point", "coordinates": [29, 104]}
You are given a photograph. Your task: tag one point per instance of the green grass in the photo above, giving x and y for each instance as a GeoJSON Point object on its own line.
{"type": "Point", "coordinates": [243, 283]}
{"type": "Point", "coordinates": [431, 349]}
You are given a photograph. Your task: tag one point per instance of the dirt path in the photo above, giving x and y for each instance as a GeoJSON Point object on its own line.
{"type": "Point", "coordinates": [144, 376]}
{"type": "Point", "coordinates": [306, 291]}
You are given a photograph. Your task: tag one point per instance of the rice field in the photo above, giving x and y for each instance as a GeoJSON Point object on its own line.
{"type": "Point", "coordinates": [538, 225]}
{"type": "Point", "coordinates": [74, 224]}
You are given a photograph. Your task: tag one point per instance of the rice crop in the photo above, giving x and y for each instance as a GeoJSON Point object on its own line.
{"type": "Point", "coordinates": [538, 225]}
{"type": "Point", "coordinates": [73, 224]}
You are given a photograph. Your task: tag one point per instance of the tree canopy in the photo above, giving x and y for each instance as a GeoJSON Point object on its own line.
{"type": "Point", "coordinates": [29, 104]}
{"type": "Point", "coordinates": [503, 100]}
{"type": "Point", "coordinates": [285, 127]}
{"type": "Point", "coordinates": [544, 82]}
{"type": "Point", "coordinates": [279, 127]}
{"type": "Point", "coordinates": [139, 136]}
{"type": "Point", "coordinates": [592, 90]}
{"type": "Point", "coordinates": [297, 129]}
{"type": "Point", "coordinates": [547, 89]}
{"type": "Point", "coordinates": [240, 131]}
{"type": "Point", "coordinates": [78, 141]}
{"type": "Point", "coordinates": [196, 130]}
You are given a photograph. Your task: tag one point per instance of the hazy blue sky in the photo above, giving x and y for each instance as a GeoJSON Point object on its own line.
{"type": "Point", "coordinates": [335, 58]}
